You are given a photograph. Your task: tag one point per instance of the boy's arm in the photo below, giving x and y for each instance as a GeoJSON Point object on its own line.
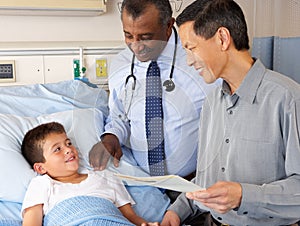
{"type": "Point", "coordinates": [33, 216]}
{"type": "Point", "coordinates": [129, 213]}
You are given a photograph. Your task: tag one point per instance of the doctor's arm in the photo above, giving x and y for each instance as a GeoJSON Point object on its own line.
{"type": "Point", "coordinates": [101, 152]}
{"type": "Point", "coordinates": [116, 133]}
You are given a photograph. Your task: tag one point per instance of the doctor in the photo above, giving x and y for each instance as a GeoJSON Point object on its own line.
{"type": "Point", "coordinates": [150, 36]}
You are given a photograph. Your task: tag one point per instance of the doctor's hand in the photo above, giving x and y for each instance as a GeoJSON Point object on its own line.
{"type": "Point", "coordinates": [221, 197]}
{"type": "Point", "coordinates": [101, 152]}
{"type": "Point", "coordinates": [170, 219]}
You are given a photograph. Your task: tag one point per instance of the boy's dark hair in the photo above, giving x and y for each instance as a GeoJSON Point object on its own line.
{"type": "Point", "coordinates": [34, 139]}
{"type": "Point", "coordinates": [136, 8]}
{"type": "Point", "coordinates": [223, 13]}
{"type": "Point", "coordinates": [191, 11]}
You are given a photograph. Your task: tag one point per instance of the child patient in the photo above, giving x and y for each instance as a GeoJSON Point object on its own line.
{"type": "Point", "coordinates": [51, 153]}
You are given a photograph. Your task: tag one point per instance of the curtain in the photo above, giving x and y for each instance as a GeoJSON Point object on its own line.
{"type": "Point", "coordinates": [276, 35]}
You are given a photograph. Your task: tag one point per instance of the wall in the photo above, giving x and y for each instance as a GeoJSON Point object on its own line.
{"type": "Point", "coordinates": [31, 40]}
{"type": "Point", "coordinates": [106, 27]}
{"type": "Point", "coordinates": [57, 28]}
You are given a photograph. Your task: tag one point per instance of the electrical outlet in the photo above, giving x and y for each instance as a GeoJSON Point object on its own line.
{"type": "Point", "coordinates": [7, 71]}
{"type": "Point", "coordinates": [101, 67]}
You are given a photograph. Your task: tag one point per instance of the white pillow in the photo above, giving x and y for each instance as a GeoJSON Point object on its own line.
{"type": "Point", "coordinates": [83, 127]}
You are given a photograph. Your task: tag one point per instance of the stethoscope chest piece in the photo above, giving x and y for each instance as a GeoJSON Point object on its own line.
{"type": "Point", "coordinates": [169, 85]}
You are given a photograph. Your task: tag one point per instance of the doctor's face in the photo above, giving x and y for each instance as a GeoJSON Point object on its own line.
{"type": "Point", "coordinates": [201, 53]}
{"type": "Point", "coordinates": [145, 35]}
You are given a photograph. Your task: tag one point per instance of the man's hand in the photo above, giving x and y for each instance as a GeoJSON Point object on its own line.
{"type": "Point", "coordinates": [101, 152]}
{"type": "Point", "coordinates": [150, 224]}
{"type": "Point", "coordinates": [221, 197]}
{"type": "Point", "coordinates": [170, 219]}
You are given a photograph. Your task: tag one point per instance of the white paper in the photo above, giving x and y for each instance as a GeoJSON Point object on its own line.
{"type": "Point", "coordinates": [171, 182]}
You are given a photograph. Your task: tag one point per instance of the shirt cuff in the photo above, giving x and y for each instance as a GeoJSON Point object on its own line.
{"type": "Point", "coordinates": [252, 196]}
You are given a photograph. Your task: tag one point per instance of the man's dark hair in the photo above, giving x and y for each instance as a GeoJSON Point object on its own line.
{"type": "Point", "coordinates": [191, 11]}
{"type": "Point", "coordinates": [136, 8]}
{"type": "Point", "coordinates": [34, 139]}
{"type": "Point", "coordinates": [223, 13]}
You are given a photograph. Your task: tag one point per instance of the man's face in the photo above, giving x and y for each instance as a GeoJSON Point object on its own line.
{"type": "Point", "coordinates": [145, 36]}
{"type": "Point", "coordinates": [201, 53]}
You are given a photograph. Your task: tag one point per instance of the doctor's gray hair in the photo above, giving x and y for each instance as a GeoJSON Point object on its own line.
{"type": "Point", "coordinates": [136, 8]}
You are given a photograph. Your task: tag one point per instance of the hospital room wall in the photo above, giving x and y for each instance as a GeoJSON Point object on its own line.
{"type": "Point", "coordinates": [105, 27]}
{"type": "Point", "coordinates": [28, 40]}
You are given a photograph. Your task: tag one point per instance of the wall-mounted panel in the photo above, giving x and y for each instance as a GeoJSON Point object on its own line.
{"type": "Point", "coordinates": [53, 7]}
{"type": "Point", "coordinates": [28, 69]}
{"type": "Point", "coordinates": [54, 62]}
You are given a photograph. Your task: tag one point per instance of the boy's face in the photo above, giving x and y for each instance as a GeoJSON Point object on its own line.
{"type": "Point", "coordinates": [61, 157]}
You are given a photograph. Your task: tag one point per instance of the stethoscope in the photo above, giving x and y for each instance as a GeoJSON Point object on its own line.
{"type": "Point", "coordinates": [169, 85]}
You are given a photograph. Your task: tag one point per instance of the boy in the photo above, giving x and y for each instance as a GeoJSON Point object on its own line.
{"type": "Point", "coordinates": [51, 153]}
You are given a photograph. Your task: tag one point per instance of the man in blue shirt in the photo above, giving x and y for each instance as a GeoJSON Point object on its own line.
{"type": "Point", "coordinates": [149, 35]}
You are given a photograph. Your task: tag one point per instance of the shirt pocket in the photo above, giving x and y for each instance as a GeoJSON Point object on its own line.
{"type": "Point", "coordinates": [259, 160]}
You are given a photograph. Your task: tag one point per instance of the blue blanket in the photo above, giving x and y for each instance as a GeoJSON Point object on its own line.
{"type": "Point", "coordinates": [85, 210]}
{"type": "Point", "coordinates": [8, 222]}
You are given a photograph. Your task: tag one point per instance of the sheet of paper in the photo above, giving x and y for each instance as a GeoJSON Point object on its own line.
{"type": "Point", "coordinates": [171, 182]}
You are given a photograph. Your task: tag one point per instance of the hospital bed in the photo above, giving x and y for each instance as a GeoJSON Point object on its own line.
{"type": "Point", "coordinates": [82, 110]}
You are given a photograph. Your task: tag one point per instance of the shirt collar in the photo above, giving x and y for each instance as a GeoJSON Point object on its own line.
{"type": "Point", "coordinates": [168, 51]}
{"type": "Point", "coordinates": [250, 84]}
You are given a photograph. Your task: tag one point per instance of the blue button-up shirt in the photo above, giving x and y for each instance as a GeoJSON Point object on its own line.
{"type": "Point", "coordinates": [181, 108]}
